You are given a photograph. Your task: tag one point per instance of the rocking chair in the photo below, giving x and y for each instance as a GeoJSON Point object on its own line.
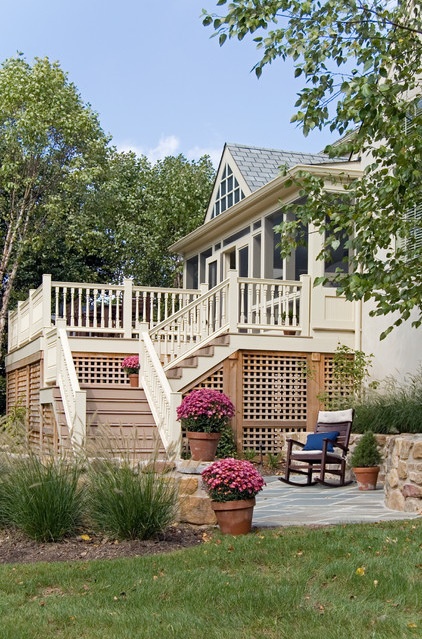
{"type": "Point", "coordinates": [332, 431]}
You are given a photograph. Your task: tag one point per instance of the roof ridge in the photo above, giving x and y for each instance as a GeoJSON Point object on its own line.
{"type": "Point", "coordinates": [265, 148]}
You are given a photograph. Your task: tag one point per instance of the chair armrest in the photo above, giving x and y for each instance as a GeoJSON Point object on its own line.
{"type": "Point", "coordinates": [294, 442]}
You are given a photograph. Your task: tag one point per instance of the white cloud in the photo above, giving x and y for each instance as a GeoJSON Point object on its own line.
{"type": "Point", "coordinates": [197, 152]}
{"type": "Point", "coordinates": [166, 146]}
{"type": "Point", "coordinates": [170, 145]}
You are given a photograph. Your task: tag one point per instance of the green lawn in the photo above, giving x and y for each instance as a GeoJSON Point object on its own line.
{"type": "Point", "coordinates": [357, 581]}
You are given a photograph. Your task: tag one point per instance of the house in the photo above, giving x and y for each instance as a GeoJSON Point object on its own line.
{"type": "Point", "coordinates": [246, 322]}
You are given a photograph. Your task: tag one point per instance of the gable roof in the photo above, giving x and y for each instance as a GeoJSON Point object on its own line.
{"type": "Point", "coordinates": [259, 166]}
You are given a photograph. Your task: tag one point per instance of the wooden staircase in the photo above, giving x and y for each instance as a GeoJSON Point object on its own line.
{"type": "Point", "coordinates": [195, 366]}
{"type": "Point", "coordinates": [119, 420]}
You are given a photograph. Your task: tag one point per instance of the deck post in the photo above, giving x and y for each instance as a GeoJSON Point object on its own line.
{"type": "Point", "coordinates": [46, 301]}
{"type": "Point", "coordinates": [233, 301]}
{"type": "Point", "coordinates": [127, 308]}
{"type": "Point", "coordinates": [305, 305]}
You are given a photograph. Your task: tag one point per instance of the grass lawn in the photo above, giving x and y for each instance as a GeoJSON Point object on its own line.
{"type": "Point", "coordinates": [355, 581]}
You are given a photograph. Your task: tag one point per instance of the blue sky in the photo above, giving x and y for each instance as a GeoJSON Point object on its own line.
{"type": "Point", "coordinates": [160, 85]}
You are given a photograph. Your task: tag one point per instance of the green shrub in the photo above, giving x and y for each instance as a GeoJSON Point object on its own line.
{"type": "Point", "coordinates": [394, 408]}
{"type": "Point", "coordinates": [366, 453]}
{"type": "Point", "coordinates": [226, 445]}
{"type": "Point", "coordinates": [129, 504]}
{"type": "Point", "coordinates": [43, 498]}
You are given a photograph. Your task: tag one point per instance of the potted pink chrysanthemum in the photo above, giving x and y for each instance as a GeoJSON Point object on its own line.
{"type": "Point", "coordinates": [203, 413]}
{"type": "Point", "coordinates": [130, 366]}
{"type": "Point", "coordinates": [232, 485]}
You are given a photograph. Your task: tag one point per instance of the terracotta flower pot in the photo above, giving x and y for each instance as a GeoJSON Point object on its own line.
{"type": "Point", "coordinates": [367, 477]}
{"type": "Point", "coordinates": [234, 517]}
{"type": "Point", "coordinates": [203, 446]}
{"type": "Point", "coordinates": [134, 380]}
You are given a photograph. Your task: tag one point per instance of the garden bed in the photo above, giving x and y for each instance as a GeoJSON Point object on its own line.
{"type": "Point", "coordinates": [15, 547]}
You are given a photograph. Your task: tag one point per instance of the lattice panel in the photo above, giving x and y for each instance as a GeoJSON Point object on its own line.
{"type": "Point", "coordinates": [100, 369]}
{"type": "Point", "coordinates": [274, 387]}
{"type": "Point", "coordinates": [215, 380]}
{"type": "Point", "coordinates": [266, 440]}
{"type": "Point", "coordinates": [333, 389]}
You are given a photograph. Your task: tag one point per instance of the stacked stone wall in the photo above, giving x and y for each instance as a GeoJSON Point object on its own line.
{"type": "Point", "coordinates": [403, 480]}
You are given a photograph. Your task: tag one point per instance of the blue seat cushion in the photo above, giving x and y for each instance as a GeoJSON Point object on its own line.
{"type": "Point", "coordinates": [314, 441]}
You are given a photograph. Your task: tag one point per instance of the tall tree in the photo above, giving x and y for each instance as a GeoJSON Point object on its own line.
{"type": "Point", "coordinates": [51, 147]}
{"type": "Point", "coordinates": [142, 208]}
{"type": "Point", "coordinates": [361, 64]}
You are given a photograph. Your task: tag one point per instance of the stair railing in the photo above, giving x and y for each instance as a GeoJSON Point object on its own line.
{"type": "Point", "coordinates": [162, 400]}
{"type": "Point", "coordinates": [73, 398]}
{"type": "Point", "coordinates": [194, 325]}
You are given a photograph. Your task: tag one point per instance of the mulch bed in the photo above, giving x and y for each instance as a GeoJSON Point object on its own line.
{"type": "Point", "coordinates": [15, 547]}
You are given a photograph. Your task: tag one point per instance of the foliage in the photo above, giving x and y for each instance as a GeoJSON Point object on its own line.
{"type": "Point", "coordinates": [350, 370]}
{"type": "Point", "coordinates": [249, 454]}
{"type": "Point", "coordinates": [205, 410]}
{"type": "Point", "coordinates": [277, 583]}
{"type": "Point", "coordinates": [140, 209]}
{"type": "Point", "coordinates": [226, 445]}
{"type": "Point", "coordinates": [361, 65]}
{"type": "Point", "coordinates": [42, 497]}
{"type": "Point", "coordinates": [51, 146]}
{"type": "Point", "coordinates": [366, 453]}
{"type": "Point", "coordinates": [13, 426]}
{"type": "Point", "coordinates": [393, 408]}
{"type": "Point", "coordinates": [130, 504]}
{"type": "Point", "coordinates": [130, 364]}
{"type": "Point", "coordinates": [273, 460]}
{"type": "Point", "coordinates": [232, 479]}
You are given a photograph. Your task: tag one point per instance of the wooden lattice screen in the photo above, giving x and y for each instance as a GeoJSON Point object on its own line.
{"type": "Point", "coordinates": [99, 368]}
{"type": "Point", "coordinates": [333, 389]}
{"type": "Point", "coordinates": [215, 380]}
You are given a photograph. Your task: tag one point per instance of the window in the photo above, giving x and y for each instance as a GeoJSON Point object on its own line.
{"type": "Point", "coordinates": [412, 243]}
{"type": "Point", "coordinates": [228, 194]}
{"type": "Point", "coordinates": [337, 259]}
{"type": "Point", "coordinates": [192, 272]}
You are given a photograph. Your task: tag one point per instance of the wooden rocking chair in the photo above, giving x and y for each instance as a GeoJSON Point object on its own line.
{"type": "Point", "coordinates": [327, 446]}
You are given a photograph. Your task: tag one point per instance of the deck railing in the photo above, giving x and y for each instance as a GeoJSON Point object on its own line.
{"type": "Point", "coordinates": [73, 398]}
{"type": "Point", "coordinates": [162, 400]}
{"type": "Point", "coordinates": [235, 305]}
{"type": "Point", "coordinates": [91, 309]}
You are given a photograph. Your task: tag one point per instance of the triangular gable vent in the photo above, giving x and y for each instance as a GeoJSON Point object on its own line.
{"type": "Point", "coordinates": [228, 193]}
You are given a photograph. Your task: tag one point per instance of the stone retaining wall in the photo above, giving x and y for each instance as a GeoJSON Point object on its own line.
{"type": "Point", "coordinates": [403, 480]}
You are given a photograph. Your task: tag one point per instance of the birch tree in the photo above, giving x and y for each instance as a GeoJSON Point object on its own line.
{"type": "Point", "coordinates": [361, 66]}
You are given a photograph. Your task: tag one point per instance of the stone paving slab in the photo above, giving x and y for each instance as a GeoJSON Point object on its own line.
{"type": "Point", "coordinates": [281, 505]}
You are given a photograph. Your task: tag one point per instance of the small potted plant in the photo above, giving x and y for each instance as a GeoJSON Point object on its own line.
{"type": "Point", "coordinates": [232, 485]}
{"type": "Point", "coordinates": [204, 413]}
{"type": "Point", "coordinates": [130, 366]}
{"type": "Point", "coordinates": [365, 461]}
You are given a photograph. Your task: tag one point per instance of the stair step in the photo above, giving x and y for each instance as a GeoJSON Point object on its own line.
{"type": "Point", "coordinates": [174, 373]}
{"type": "Point", "coordinates": [221, 340]}
{"type": "Point", "coordinates": [205, 351]}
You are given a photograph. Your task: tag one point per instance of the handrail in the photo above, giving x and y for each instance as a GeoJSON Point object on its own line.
{"type": "Point", "coordinates": [73, 398]}
{"type": "Point", "coordinates": [193, 324]}
{"type": "Point", "coordinates": [162, 400]}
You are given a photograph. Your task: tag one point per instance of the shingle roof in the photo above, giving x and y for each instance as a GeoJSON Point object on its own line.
{"type": "Point", "coordinates": [258, 165]}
